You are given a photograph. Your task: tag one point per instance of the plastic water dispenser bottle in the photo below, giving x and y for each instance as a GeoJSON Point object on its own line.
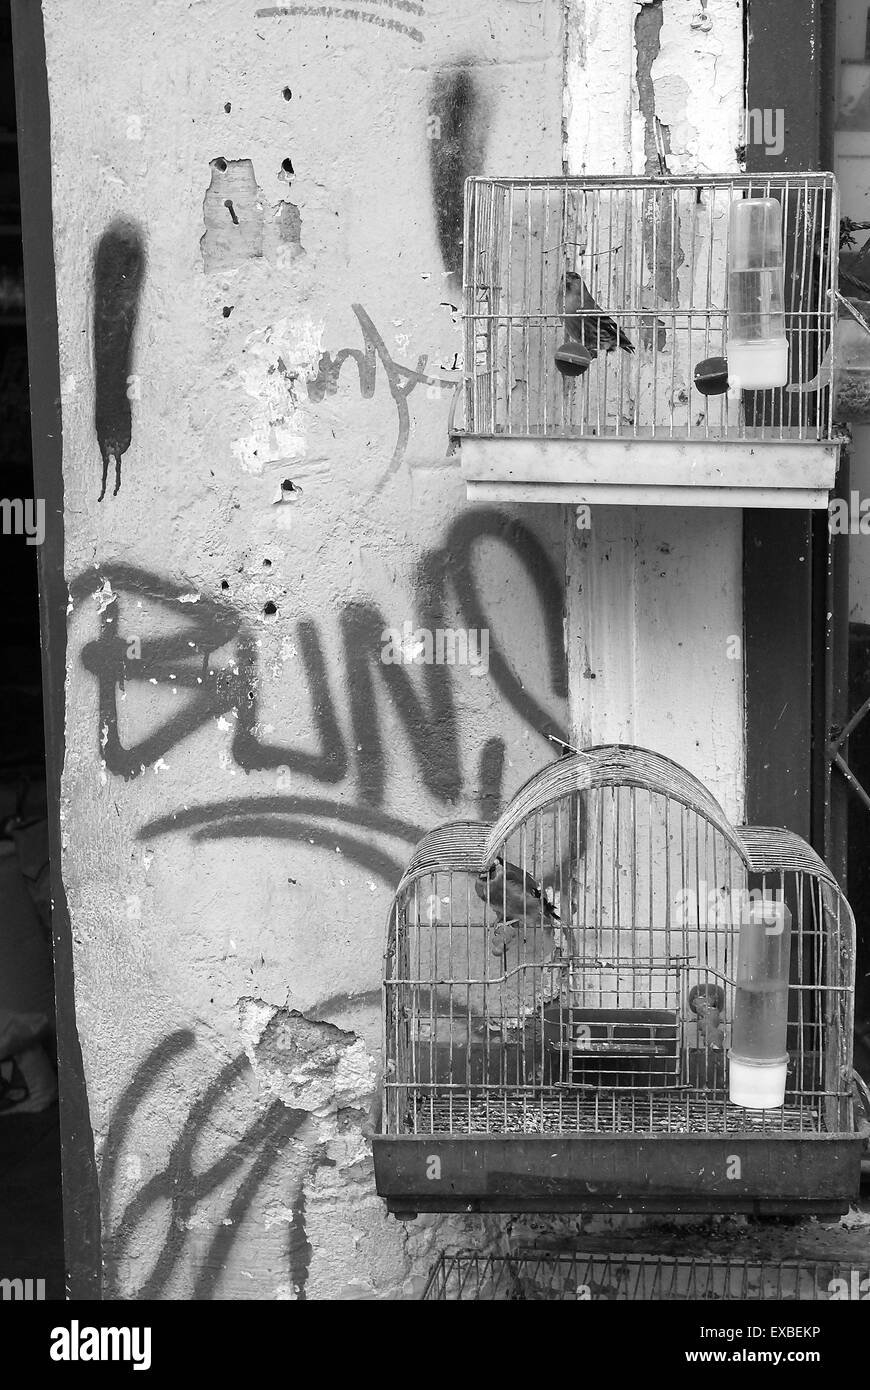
{"type": "Point", "coordinates": [759, 1056]}
{"type": "Point", "coordinates": [757, 347]}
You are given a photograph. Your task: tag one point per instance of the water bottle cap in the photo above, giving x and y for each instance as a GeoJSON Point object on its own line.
{"type": "Point", "coordinates": [759, 365]}
{"type": "Point", "coordinates": [757, 1085]}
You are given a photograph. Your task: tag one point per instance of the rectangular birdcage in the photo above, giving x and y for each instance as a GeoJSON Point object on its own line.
{"type": "Point", "coordinates": [652, 257]}
{"type": "Point", "coordinates": [572, 1276]}
{"type": "Point", "coordinates": [565, 1044]}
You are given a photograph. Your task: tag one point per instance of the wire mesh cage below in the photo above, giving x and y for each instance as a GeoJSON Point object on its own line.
{"type": "Point", "coordinates": [575, 1276]}
{"type": "Point", "coordinates": [634, 271]}
{"type": "Point", "coordinates": [570, 973]}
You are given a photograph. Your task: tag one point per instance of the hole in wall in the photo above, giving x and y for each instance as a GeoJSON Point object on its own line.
{"type": "Point", "coordinates": [228, 309]}
{"type": "Point", "coordinates": [220, 164]}
{"type": "Point", "coordinates": [288, 492]}
{"type": "Point", "coordinates": [287, 166]}
{"type": "Point", "coordinates": [225, 583]}
{"type": "Point", "coordinates": [286, 94]}
{"type": "Point", "coordinates": [267, 564]}
{"type": "Point", "coordinates": [270, 609]}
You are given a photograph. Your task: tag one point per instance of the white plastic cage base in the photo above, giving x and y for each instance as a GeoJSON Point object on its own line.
{"type": "Point", "coordinates": [653, 471]}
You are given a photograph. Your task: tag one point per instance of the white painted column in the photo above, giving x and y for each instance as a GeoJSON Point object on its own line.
{"type": "Point", "coordinates": [654, 595]}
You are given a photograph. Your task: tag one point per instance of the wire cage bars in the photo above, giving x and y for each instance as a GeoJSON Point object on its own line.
{"type": "Point", "coordinates": [651, 255]}
{"type": "Point", "coordinates": [569, 974]}
{"type": "Point", "coordinates": [570, 1276]}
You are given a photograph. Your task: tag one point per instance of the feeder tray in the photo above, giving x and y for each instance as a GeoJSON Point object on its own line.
{"type": "Point", "coordinates": [711, 376]}
{"type": "Point", "coordinates": [573, 359]}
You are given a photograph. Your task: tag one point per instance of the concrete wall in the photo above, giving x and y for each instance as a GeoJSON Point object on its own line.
{"type": "Point", "coordinates": [243, 786]}
{"type": "Point", "coordinates": [257, 257]}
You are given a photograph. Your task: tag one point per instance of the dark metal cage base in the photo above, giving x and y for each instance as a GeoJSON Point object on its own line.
{"type": "Point", "coordinates": [769, 1173]}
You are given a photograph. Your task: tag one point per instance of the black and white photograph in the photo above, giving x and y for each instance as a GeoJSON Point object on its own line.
{"type": "Point", "coordinates": [434, 673]}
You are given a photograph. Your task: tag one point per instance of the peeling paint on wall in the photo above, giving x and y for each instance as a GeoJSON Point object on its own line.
{"type": "Point", "coordinates": [307, 1064]}
{"type": "Point", "coordinates": [233, 214]}
{"type": "Point", "coordinates": [276, 362]}
{"type": "Point", "coordinates": [237, 226]}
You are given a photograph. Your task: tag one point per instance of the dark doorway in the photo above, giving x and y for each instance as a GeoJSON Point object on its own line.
{"type": "Point", "coordinates": [31, 1224]}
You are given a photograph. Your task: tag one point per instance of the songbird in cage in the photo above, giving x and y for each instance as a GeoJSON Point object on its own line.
{"type": "Point", "coordinates": [597, 333]}
{"type": "Point", "coordinates": [508, 890]}
{"type": "Point", "coordinates": [707, 1003]}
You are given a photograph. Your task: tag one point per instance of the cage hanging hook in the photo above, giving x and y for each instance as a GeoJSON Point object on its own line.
{"type": "Point", "coordinates": [565, 747]}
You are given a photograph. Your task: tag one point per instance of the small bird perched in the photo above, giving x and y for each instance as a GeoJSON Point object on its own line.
{"type": "Point", "coordinates": [509, 891]}
{"type": "Point", "coordinates": [596, 333]}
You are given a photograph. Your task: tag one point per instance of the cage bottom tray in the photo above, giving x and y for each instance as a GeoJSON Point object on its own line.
{"type": "Point", "coordinates": [781, 470]}
{"type": "Point", "coordinates": [678, 1152]}
{"type": "Point", "coordinates": [602, 1113]}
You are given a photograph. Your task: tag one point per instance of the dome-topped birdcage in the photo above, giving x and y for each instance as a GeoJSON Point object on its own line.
{"type": "Point", "coordinates": [560, 996]}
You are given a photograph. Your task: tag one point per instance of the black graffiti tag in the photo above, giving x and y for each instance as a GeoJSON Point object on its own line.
{"type": "Point", "coordinates": [118, 272]}
{"type": "Point", "coordinates": [401, 380]}
{"type": "Point", "coordinates": [183, 657]}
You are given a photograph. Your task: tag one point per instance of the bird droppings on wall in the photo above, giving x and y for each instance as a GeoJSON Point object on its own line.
{"type": "Point", "coordinates": [457, 130]}
{"type": "Point", "coordinates": [119, 269]}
